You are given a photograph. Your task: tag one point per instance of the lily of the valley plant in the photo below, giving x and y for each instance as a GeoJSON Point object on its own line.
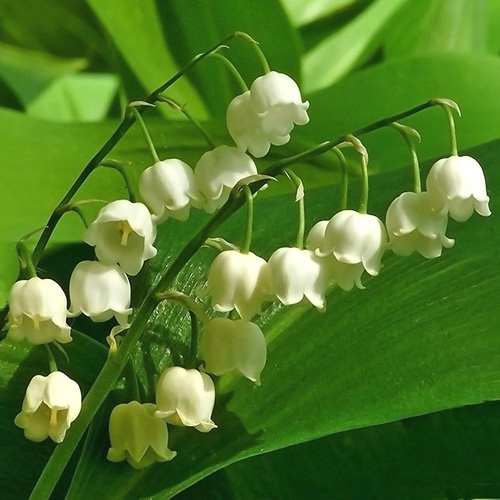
{"type": "Point", "coordinates": [334, 252]}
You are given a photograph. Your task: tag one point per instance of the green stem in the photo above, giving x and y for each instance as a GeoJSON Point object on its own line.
{"type": "Point", "coordinates": [175, 105]}
{"type": "Point", "coordinates": [406, 132]}
{"type": "Point", "coordinates": [27, 266]}
{"type": "Point", "coordinates": [52, 360]}
{"type": "Point", "coordinates": [146, 133]}
{"type": "Point", "coordinates": [78, 211]}
{"type": "Point", "coordinates": [193, 351]}
{"type": "Point", "coordinates": [122, 128]}
{"type": "Point", "coordinates": [245, 248]}
{"type": "Point", "coordinates": [232, 68]}
{"type": "Point", "coordinates": [296, 181]}
{"type": "Point", "coordinates": [119, 167]}
{"type": "Point", "coordinates": [131, 378]}
{"type": "Point", "coordinates": [345, 178]}
{"type": "Point", "coordinates": [261, 56]}
{"type": "Point", "coordinates": [453, 134]}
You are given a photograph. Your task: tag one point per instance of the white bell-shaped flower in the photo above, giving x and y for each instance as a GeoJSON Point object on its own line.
{"type": "Point", "coordinates": [457, 183]}
{"type": "Point", "coordinates": [186, 397]}
{"type": "Point", "coordinates": [276, 98]}
{"type": "Point", "coordinates": [414, 225]}
{"type": "Point", "coordinates": [245, 127]}
{"type": "Point", "coordinates": [298, 276]}
{"type": "Point", "coordinates": [218, 171]}
{"type": "Point", "coordinates": [345, 275]}
{"type": "Point", "coordinates": [168, 189]}
{"type": "Point", "coordinates": [137, 436]}
{"type": "Point", "coordinates": [123, 233]}
{"type": "Point", "coordinates": [100, 291]}
{"type": "Point", "coordinates": [229, 346]}
{"type": "Point", "coordinates": [38, 312]}
{"type": "Point", "coordinates": [51, 404]}
{"type": "Point", "coordinates": [239, 281]}
{"type": "Point", "coordinates": [356, 241]}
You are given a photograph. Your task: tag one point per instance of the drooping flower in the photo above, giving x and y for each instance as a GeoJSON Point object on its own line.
{"type": "Point", "coordinates": [123, 234]}
{"type": "Point", "coordinates": [186, 397]}
{"type": "Point", "coordinates": [357, 241]}
{"type": "Point", "coordinates": [229, 346]}
{"type": "Point", "coordinates": [413, 225]}
{"type": "Point", "coordinates": [137, 436]}
{"type": "Point", "coordinates": [245, 127]}
{"type": "Point", "coordinates": [169, 188]}
{"type": "Point", "coordinates": [276, 99]}
{"type": "Point", "coordinates": [298, 276]}
{"type": "Point", "coordinates": [38, 312]}
{"type": "Point", "coordinates": [100, 291]}
{"type": "Point", "coordinates": [218, 171]}
{"type": "Point", "coordinates": [457, 183]}
{"type": "Point", "coordinates": [51, 404]}
{"type": "Point", "coordinates": [239, 281]}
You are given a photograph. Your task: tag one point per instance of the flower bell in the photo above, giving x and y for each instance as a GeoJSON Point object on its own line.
{"type": "Point", "coordinates": [457, 183]}
{"type": "Point", "coordinates": [229, 346]}
{"type": "Point", "coordinates": [137, 436]}
{"type": "Point", "coordinates": [169, 188]}
{"type": "Point", "coordinates": [100, 291]}
{"type": "Point", "coordinates": [276, 98]}
{"type": "Point", "coordinates": [186, 397]}
{"type": "Point", "coordinates": [239, 281]}
{"type": "Point", "coordinates": [123, 234]}
{"type": "Point", "coordinates": [218, 171]}
{"type": "Point", "coordinates": [37, 312]}
{"type": "Point", "coordinates": [51, 404]}
{"type": "Point", "coordinates": [298, 276]}
{"type": "Point", "coordinates": [357, 241]}
{"type": "Point", "coordinates": [245, 127]}
{"type": "Point", "coordinates": [413, 225]}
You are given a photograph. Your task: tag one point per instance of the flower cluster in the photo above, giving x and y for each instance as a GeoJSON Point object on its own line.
{"type": "Point", "coordinates": [336, 251]}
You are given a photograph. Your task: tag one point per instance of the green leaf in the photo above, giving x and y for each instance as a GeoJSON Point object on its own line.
{"type": "Point", "coordinates": [450, 454]}
{"type": "Point", "coordinates": [341, 52]}
{"type": "Point", "coordinates": [303, 12]}
{"type": "Point", "coordinates": [430, 26]}
{"type": "Point", "coordinates": [84, 97]}
{"type": "Point", "coordinates": [389, 88]}
{"type": "Point", "coordinates": [395, 350]}
{"type": "Point", "coordinates": [188, 35]}
{"type": "Point", "coordinates": [136, 32]}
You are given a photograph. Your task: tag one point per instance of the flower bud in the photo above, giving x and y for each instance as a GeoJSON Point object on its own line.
{"type": "Point", "coordinates": [123, 234]}
{"type": "Point", "coordinates": [457, 183]}
{"type": "Point", "coordinates": [51, 404]}
{"type": "Point", "coordinates": [298, 276]}
{"type": "Point", "coordinates": [137, 436]}
{"type": "Point", "coordinates": [413, 225]}
{"type": "Point", "coordinates": [238, 281]}
{"type": "Point", "coordinates": [37, 312]}
{"type": "Point", "coordinates": [218, 171]}
{"type": "Point", "coordinates": [186, 397]}
{"type": "Point", "coordinates": [233, 346]}
{"type": "Point", "coordinates": [168, 188]}
{"type": "Point", "coordinates": [100, 291]}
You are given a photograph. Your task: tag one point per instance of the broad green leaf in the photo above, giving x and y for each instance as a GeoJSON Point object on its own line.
{"type": "Point", "coordinates": [395, 350]}
{"type": "Point", "coordinates": [189, 34]}
{"type": "Point", "coordinates": [449, 454]}
{"type": "Point", "coordinates": [136, 31]}
{"type": "Point", "coordinates": [430, 26]}
{"type": "Point", "coordinates": [303, 12]}
{"type": "Point", "coordinates": [389, 88]}
{"type": "Point", "coordinates": [83, 97]}
{"type": "Point", "coordinates": [493, 38]}
{"type": "Point", "coordinates": [22, 460]}
{"type": "Point", "coordinates": [341, 52]}
{"type": "Point", "coordinates": [30, 73]}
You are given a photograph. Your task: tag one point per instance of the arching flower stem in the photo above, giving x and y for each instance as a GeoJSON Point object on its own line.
{"type": "Point", "coordinates": [345, 178]}
{"type": "Point", "coordinates": [146, 133]}
{"type": "Point", "coordinates": [260, 55]}
{"type": "Point", "coordinates": [407, 133]}
{"type": "Point", "coordinates": [245, 248]}
{"type": "Point", "coordinates": [120, 167]}
{"type": "Point", "coordinates": [299, 198]}
{"type": "Point", "coordinates": [448, 107]}
{"type": "Point", "coordinates": [175, 105]}
{"type": "Point", "coordinates": [232, 68]}
{"type": "Point", "coordinates": [27, 267]}
{"type": "Point", "coordinates": [52, 360]}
